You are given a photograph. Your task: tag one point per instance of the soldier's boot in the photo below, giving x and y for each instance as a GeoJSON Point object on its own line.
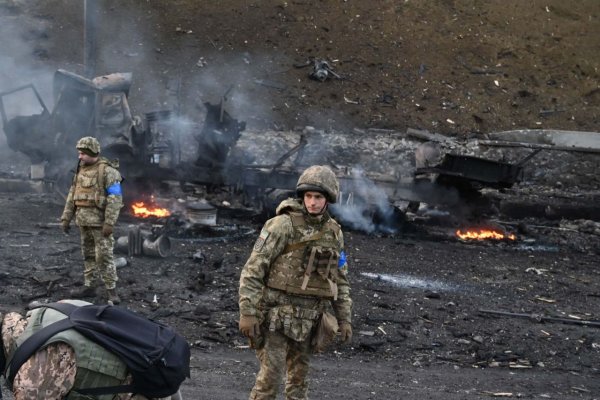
{"type": "Point", "coordinates": [84, 291]}
{"type": "Point", "coordinates": [113, 297]}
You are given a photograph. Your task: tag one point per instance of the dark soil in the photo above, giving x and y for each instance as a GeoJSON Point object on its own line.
{"type": "Point", "coordinates": [422, 334]}
{"type": "Point", "coordinates": [462, 68]}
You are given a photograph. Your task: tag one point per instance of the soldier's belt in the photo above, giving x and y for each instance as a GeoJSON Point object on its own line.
{"type": "Point", "coordinates": [310, 292]}
{"type": "Point", "coordinates": [305, 313]}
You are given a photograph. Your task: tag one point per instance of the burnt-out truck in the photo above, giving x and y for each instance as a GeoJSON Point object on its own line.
{"type": "Point", "coordinates": [148, 147]}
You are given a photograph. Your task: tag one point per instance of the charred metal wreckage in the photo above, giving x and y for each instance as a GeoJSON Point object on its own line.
{"type": "Point", "coordinates": [149, 150]}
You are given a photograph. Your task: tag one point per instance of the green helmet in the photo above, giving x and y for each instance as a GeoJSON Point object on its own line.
{"type": "Point", "coordinates": [89, 145]}
{"type": "Point", "coordinates": [320, 179]}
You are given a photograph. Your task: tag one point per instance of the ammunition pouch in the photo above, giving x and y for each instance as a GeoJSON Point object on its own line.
{"type": "Point", "coordinates": [258, 342]}
{"type": "Point", "coordinates": [294, 322]}
{"type": "Point", "coordinates": [325, 333]}
{"type": "Point", "coordinates": [323, 261]}
{"type": "Point", "coordinates": [99, 202]}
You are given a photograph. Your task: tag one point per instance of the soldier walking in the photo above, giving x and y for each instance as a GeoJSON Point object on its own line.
{"type": "Point", "coordinates": [296, 275]}
{"type": "Point", "coordinates": [95, 199]}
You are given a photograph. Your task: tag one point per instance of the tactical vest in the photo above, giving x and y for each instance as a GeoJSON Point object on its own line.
{"type": "Point", "coordinates": [96, 367]}
{"type": "Point", "coordinates": [89, 185]}
{"type": "Point", "coordinates": [308, 265]}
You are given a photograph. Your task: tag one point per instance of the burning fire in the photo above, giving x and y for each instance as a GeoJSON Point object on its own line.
{"type": "Point", "coordinates": [484, 234]}
{"type": "Point", "coordinates": [142, 210]}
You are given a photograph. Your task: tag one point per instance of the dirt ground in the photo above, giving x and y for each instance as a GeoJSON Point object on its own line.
{"type": "Point", "coordinates": [461, 68]}
{"type": "Point", "coordinates": [419, 329]}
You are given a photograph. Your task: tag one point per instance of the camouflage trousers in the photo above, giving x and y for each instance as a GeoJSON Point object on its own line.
{"type": "Point", "coordinates": [98, 258]}
{"type": "Point", "coordinates": [278, 355]}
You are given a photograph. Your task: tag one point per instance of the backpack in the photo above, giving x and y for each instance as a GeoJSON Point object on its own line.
{"type": "Point", "coordinates": [157, 358]}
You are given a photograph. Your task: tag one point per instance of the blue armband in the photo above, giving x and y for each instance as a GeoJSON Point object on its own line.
{"type": "Point", "coordinates": [114, 189]}
{"type": "Point", "coordinates": [342, 259]}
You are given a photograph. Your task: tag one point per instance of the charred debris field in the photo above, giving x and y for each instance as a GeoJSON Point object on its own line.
{"type": "Point", "coordinates": [474, 262]}
{"type": "Point", "coordinates": [425, 302]}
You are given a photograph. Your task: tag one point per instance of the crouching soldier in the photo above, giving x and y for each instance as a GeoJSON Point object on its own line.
{"type": "Point", "coordinates": [295, 275]}
{"type": "Point", "coordinates": [67, 362]}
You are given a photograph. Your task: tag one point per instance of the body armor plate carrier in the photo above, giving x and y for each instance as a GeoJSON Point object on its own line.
{"type": "Point", "coordinates": [309, 265]}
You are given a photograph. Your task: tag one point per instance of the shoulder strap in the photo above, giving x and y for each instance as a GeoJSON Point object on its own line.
{"type": "Point", "coordinates": [65, 308]}
{"type": "Point", "coordinates": [298, 220]}
{"type": "Point", "coordinates": [334, 227]}
{"type": "Point", "coordinates": [298, 245]}
{"type": "Point", "coordinates": [101, 177]}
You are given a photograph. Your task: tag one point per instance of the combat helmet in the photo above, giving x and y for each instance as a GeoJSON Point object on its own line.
{"type": "Point", "coordinates": [89, 145]}
{"type": "Point", "coordinates": [319, 178]}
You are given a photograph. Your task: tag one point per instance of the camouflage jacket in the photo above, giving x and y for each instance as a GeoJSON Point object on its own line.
{"type": "Point", "coordinates": [91, 204]}
{"type": "Point", "coordinates": [276, 234]}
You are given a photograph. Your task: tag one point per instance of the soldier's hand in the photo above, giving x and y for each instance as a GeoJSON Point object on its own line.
{"type": "Point", "coordinates": [249, 326]}
{"type": "Point", "coordinates": [345, 331]}
{"type": "Point", "coordinates": [66, 226]}
{"type": "Point", "coordinates": [107, 230]}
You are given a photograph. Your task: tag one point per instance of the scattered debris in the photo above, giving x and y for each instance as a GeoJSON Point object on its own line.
{"type": "Point", "coordinates": [199, 257]}
{"type": "Point", "coordinates": [201, 62]}
{"type": "Point", "coordinates": [322, 70]}
{"type": "Point", "coordinates": [142, 242]}
{"type": "Point", "coordinates": [270, 84]}
{"type": "Point", "coordinates": [540, 318]}
{"type": "Point", "coordinates": [121, 262]}
{"type": "Point", "coordinates": [544, 299]}
{"type": "Point", "coordinates": [499, 394]}
{"type": "Point", "coordinates": [348, 101]}
{"type": "Point", "coordinates": [538, 271]}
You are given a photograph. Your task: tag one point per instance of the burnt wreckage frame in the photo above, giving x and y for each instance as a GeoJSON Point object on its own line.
{"type": "Point", "coordinates": [149, 151]}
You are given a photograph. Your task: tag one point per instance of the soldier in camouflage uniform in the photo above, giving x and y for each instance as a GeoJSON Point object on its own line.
{"type": "Point", "coordinates": [68, 361]}
{"type": "Point", "coordinates": [297, 271]}
{"type": "Point", "coordinates": [95, 199]}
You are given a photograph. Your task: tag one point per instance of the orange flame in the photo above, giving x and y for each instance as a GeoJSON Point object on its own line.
{"type": "Point", "coordinates": [483, 234]}
{"type": "Point", "coordinates": [142, 210]}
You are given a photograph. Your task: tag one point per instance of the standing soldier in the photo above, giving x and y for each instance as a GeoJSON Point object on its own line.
{"type": "Point", "coordinates": [95, 199]}
{"type": "Point", "coordinates": [297, 272]}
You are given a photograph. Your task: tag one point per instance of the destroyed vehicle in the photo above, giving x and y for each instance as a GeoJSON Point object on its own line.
{"type": "Point", "coordinates": [82, 107]}
{"type": "Point", "coordinates": [148, 148]}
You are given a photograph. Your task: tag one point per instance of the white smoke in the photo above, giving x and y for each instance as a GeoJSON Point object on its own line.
{"type": "Point", "coordinates": [364, 206]}
{"type": "Point", "coordinates": [23, 51]}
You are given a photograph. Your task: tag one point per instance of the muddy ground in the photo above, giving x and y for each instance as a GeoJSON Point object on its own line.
{"type": "Point", "coordinates": [419, 329]}
{"type": "Point", "coordinates": [461, 68]}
